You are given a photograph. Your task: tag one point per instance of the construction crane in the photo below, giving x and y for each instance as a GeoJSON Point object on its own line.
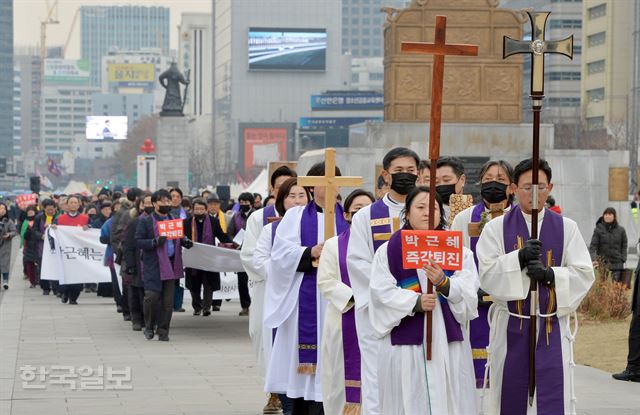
{"type": "Point", "coordinates": [73, 25]}
{"type": "Point", "coordinates": [52, 18]}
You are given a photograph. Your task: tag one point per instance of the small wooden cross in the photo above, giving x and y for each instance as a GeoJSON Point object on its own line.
{"type": "Point", "coordinates": [331, 183]}
{"type": "Point", "coordinates": [438, 49]}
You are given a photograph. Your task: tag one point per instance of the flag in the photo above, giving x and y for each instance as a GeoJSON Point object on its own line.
{"type": "Point", "coordinates": [53, 168]}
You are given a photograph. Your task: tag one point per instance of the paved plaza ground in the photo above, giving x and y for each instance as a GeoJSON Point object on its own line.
{"type": "Point", "coordinates": [206, 368]}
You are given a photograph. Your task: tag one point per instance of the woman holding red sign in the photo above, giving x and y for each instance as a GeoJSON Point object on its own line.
{"type": "Point", "coordinates": [409, 383]}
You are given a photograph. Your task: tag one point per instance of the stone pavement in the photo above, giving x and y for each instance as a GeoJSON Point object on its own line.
{"type": "Point", "coordinates": [206, 368]}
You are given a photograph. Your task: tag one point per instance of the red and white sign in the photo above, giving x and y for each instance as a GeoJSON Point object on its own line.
{"type": "Point", "coordinates": [441, 247]}
{"type": "Point", "coordinates": [26, 200]}
{"type": "Point", "coordinates": [172, 229]}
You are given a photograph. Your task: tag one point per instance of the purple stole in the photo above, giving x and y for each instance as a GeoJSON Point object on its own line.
{"type": "Point", "coordinates": [379, 210]}
{"type": "Point", "coordinates": [410, 331]}
{"type": "Point", "coordinates": [307, 300]}
{"type": "Point", "coordinates": [350, 348]}
{"type": "Point", "coordinates": [549, 369]}
{"type": "Point", "coordinates": [274, 227]}
{"type": "Point", "coordinates": [268, 212]}
{"type": "Point", "coordinates": [238, 222]}
{"type": "Point", "coordinates": [478, 327]}
{"type": "Point", "coordinates": [207, 231]}
{"type": "Point", "coordinates": [168, 271]}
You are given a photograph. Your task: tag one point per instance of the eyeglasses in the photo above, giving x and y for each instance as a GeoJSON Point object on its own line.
{"type": "Point", "coordinates": [528, 188]}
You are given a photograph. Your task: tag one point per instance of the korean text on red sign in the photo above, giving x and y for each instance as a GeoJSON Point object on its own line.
{"type": "Point", "coordinates": [442, 247]}
{"type": "Point", "coordinates": [26, 200]}
{"type": "Point", "coordinates": [172, 229]}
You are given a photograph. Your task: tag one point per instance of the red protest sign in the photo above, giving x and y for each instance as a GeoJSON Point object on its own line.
{"type": "Point", "coordinates": [172, 229]}
{"type": "Point", "coordinates": [442, 247]}
{"type": "Point", "coordinates": [26, 200]}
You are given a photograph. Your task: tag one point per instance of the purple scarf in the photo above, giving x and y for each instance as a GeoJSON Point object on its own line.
{"type": "Point", "coordinates": [207, 231]}
{"type": "Point", "coordinates": [168, 271]}
{"type": "Point", "coordinates": [410, 331]}
{"type": "Point", "coordinates": [379, 210]}
{"type": "Point", "coordinates": [307, 300]}
{"type": "Point", "coordinates": [239, 222]}
{"type": "Point", "coordinates": [352, 380]}
{"type": "Point", "coordinates": [549, 369]}
{"type": "Point", "coordinates": [268, 212]}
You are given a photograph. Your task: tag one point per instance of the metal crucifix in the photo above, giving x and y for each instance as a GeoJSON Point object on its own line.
{"type": "Point", "coordinates": [439, 48]}
{"type": "Point", "coordinates": [537, 48]}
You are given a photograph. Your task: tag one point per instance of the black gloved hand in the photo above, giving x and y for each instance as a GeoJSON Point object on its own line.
{"type": "Point", "coordinates": [537, 271]}
{"type": "Point", "coordinates": [160, 240]}
{"type": "Point", "coordinates": [187, 243]}
{"type": "Point", "coordinates": [530, 251]}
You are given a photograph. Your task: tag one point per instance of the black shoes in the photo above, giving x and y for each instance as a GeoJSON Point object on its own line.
{"type": "Point", "coordinates": [196, 312]}
{"type": "Point", "coordinates": [148, 334]}
{"type": "Point", "coordinates": [136, 327]}
{"type": "Point", "coordinates": [45, 293]}
{"type": "Point", "coordinates": [64, 298]}
{"type": "Point", "coordinates": [627, 375]}
{"type": "Point", "coordinates": [119, 309]}
{"type": "Point", "coordinates": [206, 313]}
{"type": "Point", "coordinates": [216, 308]}
{"type": "Point", "coordinates": [163, 337]}
{"type": "Point", "coordinates": [126, 317]}
{"type": "Point", "coordinates": [180, 310]}
{"type": "Point", "coordinates": [74, 302]}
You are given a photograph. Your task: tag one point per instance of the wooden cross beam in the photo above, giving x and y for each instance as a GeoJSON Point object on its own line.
{"type": "Point", "coordinates": [331, 183]}
{"type": "Point", "coordinates": [439, 49]}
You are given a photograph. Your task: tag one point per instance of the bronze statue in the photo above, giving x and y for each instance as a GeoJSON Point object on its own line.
{"type": "Point", "coordinates": [173, 101]}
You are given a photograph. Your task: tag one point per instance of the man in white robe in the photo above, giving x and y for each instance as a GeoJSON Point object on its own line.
{"type": "Point", "coordinates": [400, 168]}
{"type": "Point", "coordinates": [504, 277]}
{"type": "Point", "coordinates": [255, 223]}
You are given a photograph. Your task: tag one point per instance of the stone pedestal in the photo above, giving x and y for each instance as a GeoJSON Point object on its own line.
{"type": "Point", "coordinates": [173, 153]}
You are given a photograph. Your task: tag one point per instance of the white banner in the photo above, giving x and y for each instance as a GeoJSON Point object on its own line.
{"type": "Point", "coordinates": [212, 258]}
{"type": "Point", "coordinates": [228, 288]}
{"type": "Point", "coordinates": [76, 257]}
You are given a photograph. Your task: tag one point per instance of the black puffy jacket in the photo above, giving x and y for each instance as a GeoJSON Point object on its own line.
{"type": "Point", "coordinates": [609, 241]}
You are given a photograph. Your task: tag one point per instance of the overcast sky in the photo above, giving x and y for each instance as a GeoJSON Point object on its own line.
{"type": "Point", "coordinates": [28, 14]}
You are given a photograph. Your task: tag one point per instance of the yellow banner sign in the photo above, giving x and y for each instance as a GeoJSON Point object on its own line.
{"type": "Point", "coordinates": [131, 72]}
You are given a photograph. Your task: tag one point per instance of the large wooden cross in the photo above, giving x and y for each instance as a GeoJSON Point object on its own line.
{"type": "Point", "coordinates": [331, 183]}
{"type": "Point", "coordinates": [536, 47]}
{"type": "Point", "coordinates": [439, 49]}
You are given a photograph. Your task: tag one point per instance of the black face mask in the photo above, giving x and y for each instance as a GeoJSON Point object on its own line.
{"type": "Point", "coordinates": [148, 210]}
{"type": "Point", "coordinates": [445, 191]}
{"type": "Point", "coordinates": [245, 208]}
{"type": "Point", "coordinates": [402, 183]}
{"type": "Point", "coordinates": [493, 192]}
{"type": "Point", "coordinates": [92, 216]}
{"type": "Point", "coordinates": [199, 217]}
{"type": "Point", "coordinates": [164, 210]}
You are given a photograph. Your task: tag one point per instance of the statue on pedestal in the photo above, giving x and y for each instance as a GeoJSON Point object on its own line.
{"type": "Point", "coordinates": [170, 80]}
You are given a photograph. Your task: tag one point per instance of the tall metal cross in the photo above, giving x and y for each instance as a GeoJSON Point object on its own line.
{"type": "Point", "coordinates": [439, 49]}
{"type": "Point", "coordinates": [331, 183]}
{"type": "Point", "coordinates": [537, 48]}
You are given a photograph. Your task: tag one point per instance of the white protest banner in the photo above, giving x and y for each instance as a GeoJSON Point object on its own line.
{"type": "Point", "coordinates": [76, 258]}
{"type": "Point", "coordinates": [228, 288]}
{"type": "Point", "coordinates": [212, 258]}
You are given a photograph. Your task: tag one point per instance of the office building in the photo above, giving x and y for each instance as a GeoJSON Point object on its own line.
{"type": "Point", "coordinates": [367, 74]}
{"type": "Point", "coordinates": [105, 28]}
{"type": "Point", "coordinates": [28, 66]}
{"type": "Point", "coordinates": [133, 106]}
{"type": "Point", "coordinates": [194, 60]}
{"type": "Point", "coordinates": [6, 80]}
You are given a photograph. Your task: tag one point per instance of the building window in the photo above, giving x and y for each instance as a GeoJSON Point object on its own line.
{"type": "Point", "coordinates": [376, 76]}
{"type": "Point", "coordinates": [566, 24]}
{"type": "Point", "coordinates": [596, 39]}
{"type": "Point", "coordinates": [595, 94]}
{"type": "Point", "coordinates": [597, 11]}
{"type": "Point", "coordinates": [355, 31]}
{"type": "Point", "coordinates": [564, 76]}
{"type": "Point", "coordinates": [355, 77]}
{"type": "Point", "coordinates": [355, 42]}
{"type": "Point", "coordinates": [355, 20]}
{"type": "Point", "coordinates": [577, 50]}
{"type": "Point", "coordinates": [595, 123]}
{"type": "Point", "coordinates": [564, 102]}
{"type": "Point", "coordinates": [595, 67]}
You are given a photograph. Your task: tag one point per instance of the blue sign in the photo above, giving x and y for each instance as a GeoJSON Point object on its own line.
{"type": "Point", "coordinates": [347, 101]}
{"type": "Point", "coordinates": [328, 122]}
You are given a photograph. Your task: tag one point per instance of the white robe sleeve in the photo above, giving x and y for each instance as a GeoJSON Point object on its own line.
{"type": "Point", "coordinates": [500, 273]}
{"type": "Point", "coordinates": [283, 284]}
{"type": "Point", "coordinates": [252, 232]}
{"type": "Point", "coordinates": [461, 223]}
{"type": "Point", "coordinates": [574, 279]}
{"type": "Point", "coordinates": [262, 253]}
{"type": "Point", "coordinates": [389, 304]}
{"type": "Point", "coordinates": [329, 278]}
{"type": "Point", "coordinates": [463, 288]}
{"type": "Point", "coordinates": [360, 256]}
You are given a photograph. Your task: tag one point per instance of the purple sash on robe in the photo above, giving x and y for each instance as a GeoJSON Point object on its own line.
{"type": "Point", "coordinates": [549, 369]}
{"type": "Point", "coordinates": [207, 231]}
{"type": "Point", "coordinates": [268, 212]}
{"type": "Point", "coordinates": [379, 210]}
{"type": "Point", "coordinates": [239, 222]}
{"type": "Point", "coordinates": [168, 270]}
{"type": "Point", "coordinates": [410, 331]}
{"type": "Point", "coordinates": [478, 327]}
{"type": "Point", "coordinates": [350, 346]}
{"type": "Point", "coordinates": [307, 300]}
{"type": "Point", "coordinates": [274, 227]}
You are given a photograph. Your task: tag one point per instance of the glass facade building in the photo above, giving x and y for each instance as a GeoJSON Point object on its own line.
{"type": "Point", "coordinates": [6, 78]}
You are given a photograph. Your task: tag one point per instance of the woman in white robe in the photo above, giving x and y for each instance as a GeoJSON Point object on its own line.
{"type": "Point", "coordinates": [340, 300]}
{"type": "Point", "coordinates": [410, 384]}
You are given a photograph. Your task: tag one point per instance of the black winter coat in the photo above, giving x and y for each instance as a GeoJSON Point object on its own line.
{"type": "Point", "coordinates": [609, 241]}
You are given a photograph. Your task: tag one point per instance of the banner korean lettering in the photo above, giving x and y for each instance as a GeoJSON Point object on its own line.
{"type": "Point", "coordinates": [442, 247]}
{"type": "Point", "coordinates": [26, 200]}
{"type": "Point", "coordinates": [172, 229]}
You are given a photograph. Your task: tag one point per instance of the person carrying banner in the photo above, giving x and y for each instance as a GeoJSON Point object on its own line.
{"type": "Point", "coordinates": [237, 225]}
{"type": "Point", "coordinates": [162, 263]}
{"type": "Point", "coordinates": [43, 219]}
{"type": "Point", "coordinates": [202, 228]}
{"type": "Point", "coordinates": [72, 217]}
